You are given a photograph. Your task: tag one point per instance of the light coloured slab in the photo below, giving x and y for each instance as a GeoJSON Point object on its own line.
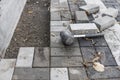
{"type": "Point", "coordinates": [97, 2]}
{"type": "Point", "coordinates": [25, 57]}
{"type": "Point", "coordinates": [59, 23]}
{"type": "Point", "coordinates": [111, 38]}
{"type": "Point", "coordinates": [83, 28]}
{"type": "Point", "coordinates": [58, 28]}
{"type": "Point", "coordinates": [116, 53]}
{"type": "Point", "coordinates": [10, 15]}
{"type": "Point", "coordinates": [59, 74]}
{"type": "Point", "coordinates": [7, 68]}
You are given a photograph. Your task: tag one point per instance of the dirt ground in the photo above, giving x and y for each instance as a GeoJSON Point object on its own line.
{"type": "Point", "coordinates": [33, 29]}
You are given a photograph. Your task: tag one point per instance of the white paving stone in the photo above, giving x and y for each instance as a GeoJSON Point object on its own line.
{"type": "Point", "coordinates": [25, 57]}
{"type": "Point", "coordinates": [7, 68]}
{"type": "Point", "coordinates": [59, 74]}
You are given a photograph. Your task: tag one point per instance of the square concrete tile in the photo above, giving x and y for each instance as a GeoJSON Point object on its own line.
{"type": "Point", "coordinates": [7, 68]}
{"type": "Point", "coordinates": [84, 42]}
{"type": "Point", "coordinates": [31, 74]}
{"type": "Point", "coordinates": [77, 74]}
{"type": "Point", "coordinates": [41, 57]}
{"type": "Point", "coordinates": [66, 61]}
{"type": "Point", "coordinates": [59, 74]}
{"type": "Point", "coordinates": [107, 58]}
{"type": "Point", "coordinates": [65, 52]}
{"type": "Point", "coordinates": [56, 41]}
{"type": "Point", "coordinates": [110, 72]}
{"type": "Point", "coordinates": [25, 57]}
{"type": "Point", "coordinates": [88, 53]}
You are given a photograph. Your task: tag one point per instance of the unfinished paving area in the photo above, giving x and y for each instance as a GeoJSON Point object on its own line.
{"type": "Point", "coordinates": [59, 62]}
{"type": "Point", "coordinates": [33, 28]}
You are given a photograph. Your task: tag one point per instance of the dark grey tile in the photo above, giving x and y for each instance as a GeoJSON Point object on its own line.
{"type": "Point", "coordinates": [77, 74]}
{"type": "Point", "coordinates": [107, 58]}
{"type": "Point", "coordinates": [88, 54]}
{"type": "Point", "coordinates": [65, 52]}
{"type": "Point", "coordinates": [41, 58]}
{"type": "Point", "coordinates": [84, 42]}
{"type": "Point", "coordinates": [66, 61]}
{"type": "Point", "coordinates": [100, 41]}
{"type": "Point", "coordinates": [110, 72]}
{"type": "Point", "coordinates": [31, 74]}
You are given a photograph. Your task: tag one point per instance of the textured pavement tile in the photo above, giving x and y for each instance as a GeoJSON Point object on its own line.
{"type": "Point", "coordinates": [88, 54]}
{"type": "Point", "coordinates": [41, 57]}
{"type": "Point", "coordinates": [31, 74]}
{"type": "Point", "coordinates": [65, 52]}
{"type": "Point", "coordinates": [59, 23]}
{"type": "Point", "coordinates": [110, 72]}
{"type": "Point", "coordinates": [77, 74]}
{"type": "Point", "coordinates": [66, 61]}
{"type": "Point", "coordinates": [55, 16]}
{"type": "Point", "coordinates": [107, 58]}
{"type": "Point", "coordinates": [116, 53]}
{"type": "Point", "coordinates": [58, 28]}
{"type": "Point", "coordinates": [65, 15]}
{"type": "Point", "coordinates": [25, 57]}
{"type": "Point", "coordinates": [59, 74]}
{"type": "Point", "coordinates": [108, 79]}
{"type": "Point", "coordinates": [84, 42]}
{"type": "Point", "coordinates": [100, 41]}
{"type": "Point", "coordinates": [7, 68]}
{"type": "Point", "coordinates": [56, 41]}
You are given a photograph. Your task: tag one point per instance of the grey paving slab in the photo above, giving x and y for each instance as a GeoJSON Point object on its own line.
{"type": "Point", "coordinates": [56, 41]}
{"type": "Point", "coordinates": [65, 52]}
{"type": "Point", "coordinates": [65, 15]}
{"type": "Point", "coordinates": [25, 57]}
{"type": "Point", "coordinates": [41, 57]}
{"type": "Point", "coordinates": [110, 72]}
{"type": "Point", "coordinates": [108, 79]}
{"type": "Point", "coordinates": [66, 61]}
{"type": "Point", "coordinates": [88, 54]}
{"type": "Point", "coordinates": [7, 68]}
{"type": "Point", "coordinates": [100, 41]}
{"type": "Point", "coordinates": [59, 23]}
{"type": "Point", "coordinates": [64, 4]}
{"type": "Point", "coordinates": [77, 74]}
{"type": "Point", "coordinates": [59, 74]}
{"type": "Point", "coordinates": [81, 17]}
{"type": "Point", "coordinates": [31, 74]}
{"type": "Point", "coordinates": [55, 16]}
{"type": "Point", "coordinates": [74, 7]}
{"type": "Point", "coordinates": [84, 42]}
{"type": "Point", "coordinates": [58, 28]}
{"type": "Point", "coordinates": [107, 58]}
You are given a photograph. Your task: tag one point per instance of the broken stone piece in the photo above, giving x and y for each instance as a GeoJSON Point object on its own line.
{"type": "Point", "coordinates": [83, 28]}
{"type": "Point", "coordinates": [104, 22]}
{"type": "Point", "coordinates": [81, 17]}
{"type": "Point", "coordinates": [112, 12]}
{"type": "Point", "coordinates": [90, 8]}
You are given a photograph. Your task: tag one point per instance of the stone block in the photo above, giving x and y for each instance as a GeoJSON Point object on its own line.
{"type": "Point", "coordinates": [65, 52]}
{"type": "Point", "coordinates": [66, 61]}
{"type": "Point", "coordinates": [31, 74]}
{"type": "Point", "coordinates": [104, 22]}
{"type": "Point", "coordinates": [59, 74]}
{"type": "Point", "coordinates": [83, 28]}
{"type": "Point", "coordinates": [7, 68]}
{"type": "Point", "coordinates": [77, 74]}
{"type": "Point", "coordinates": [112, 12]}
{"type": "Point", "coordinates": [25, 57]}
{"type": "Point", "coordinates": [57, 28]}
{"type": "Point", "coordinates": [81, 17]}
{"type": "Point", "coordinates": [55, 16]}
{"type": "Point", "coordinates": [90, 8]}
{"type": "Point", "coordinates": [41, 57]}
{"type": "Point", "coordinates": [110, 72]}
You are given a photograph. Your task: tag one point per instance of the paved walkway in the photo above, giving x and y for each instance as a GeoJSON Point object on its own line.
{"type": "Point", "coordinates": [59, 62]}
